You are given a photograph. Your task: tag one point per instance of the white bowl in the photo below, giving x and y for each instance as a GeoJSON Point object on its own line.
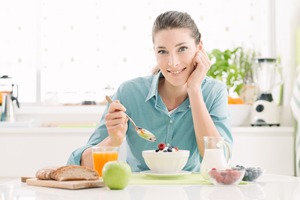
{"type": "Point", "coordinates": [166, 162]}
{"type": "Point", "coordinates": [239, 113]}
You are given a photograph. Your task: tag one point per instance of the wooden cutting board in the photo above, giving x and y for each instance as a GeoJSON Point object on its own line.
{"type": "Point", "coordinates": [73, 185]}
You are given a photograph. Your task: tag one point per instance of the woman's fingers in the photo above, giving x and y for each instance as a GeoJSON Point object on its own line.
{"type": "Point", "coordinates": [198, 60]}
{"type": "Point", "coordinates": [115, 121]}
{"type": "Point", "coordinates": [115, 129]}
{"type": "Point", "coordinates": [115, 114]}
{"type": "Point", "coordinates": [205, 55]}
{"type": "Point", "coordinates": [116, 106]}
{"type": "Point", "coordinates": [203, 58]}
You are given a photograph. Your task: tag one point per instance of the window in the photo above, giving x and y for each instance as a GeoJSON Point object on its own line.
{"type": "Point", "coordinates": [82, 50]}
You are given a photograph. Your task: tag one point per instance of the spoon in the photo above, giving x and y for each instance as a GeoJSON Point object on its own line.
{"type": "Point", "coordinates": [143, 133]}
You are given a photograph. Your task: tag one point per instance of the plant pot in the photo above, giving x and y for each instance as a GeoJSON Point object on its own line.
{"type": "Point", "coordinates": [239, 113]}
{"type": "Point", "coordinates": [248, 94]}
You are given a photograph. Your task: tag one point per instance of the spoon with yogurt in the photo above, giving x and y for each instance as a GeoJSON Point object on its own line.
{"type": "Point", "coordinates": [143, 133]}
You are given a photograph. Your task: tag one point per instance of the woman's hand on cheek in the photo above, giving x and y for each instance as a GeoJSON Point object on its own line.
{"type": "Point", "coordinates": [202, 64]}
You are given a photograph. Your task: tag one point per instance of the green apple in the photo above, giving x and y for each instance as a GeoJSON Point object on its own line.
{"type": "Point", "coordinates": [116, 174]}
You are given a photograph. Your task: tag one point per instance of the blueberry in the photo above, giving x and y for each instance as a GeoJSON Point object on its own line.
{"type": "Point", "coordinates": [237, 166]}
{"type": "Point", "coordinates": [255, 175]}
{"type": "Point", "coordinates": [165, 151]}
{"type": "Point", "coordinates": [259, 172]}
{"type": "Point", "coordinates": [250, 175]}
{"type": "Point", "coordinates": [246, 174]}
{"type": "Point", "coordinates": [157, 150]}
{"type": "Point", "coordinates": [169, 150]}
{"type": "Point", "coordinates": [242, 167]}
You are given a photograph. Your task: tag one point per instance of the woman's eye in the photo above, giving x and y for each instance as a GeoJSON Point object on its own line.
{"type": "Point", "coordinates": [162, 52]}
{"type": "Point", "coordinates": [182, 48]}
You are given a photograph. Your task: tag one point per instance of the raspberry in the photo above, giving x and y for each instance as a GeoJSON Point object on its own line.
{"type": "Point", "coordinates": [228, 172]}
{"type": "Point", "coordinates": [213, 169]}
{"type": "Point", "coordinates": [228, 180]}
{"type": "Point", "coordinates": [235, 174]}
{"type": "Point", "coordinates": [213, 173]}
{"type": "Point", "coordinates": [223, 173]}
{"type": "Point", "coordinates": [176, 149]}
{"type": "Point", "coordinates": [219, 178]}
{"type": "Point", "coordinates": [161, 146]}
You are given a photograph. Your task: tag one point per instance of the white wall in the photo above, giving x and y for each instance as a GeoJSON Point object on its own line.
{"type": "Point", "coordinates": [48, 48]}
{"type": "Point", "coordinates": [287, 18]}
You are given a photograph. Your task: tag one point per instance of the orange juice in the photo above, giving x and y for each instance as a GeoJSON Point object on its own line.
{"type": "Point", "coordinates": [1, 95]}
{"type": "Point", "coordinates": [100, 158]}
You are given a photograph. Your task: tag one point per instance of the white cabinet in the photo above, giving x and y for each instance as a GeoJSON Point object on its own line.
{"type": "Point", "coordinates": [25, 150]}
{"type": "Point", "coordinates": [268, 147]}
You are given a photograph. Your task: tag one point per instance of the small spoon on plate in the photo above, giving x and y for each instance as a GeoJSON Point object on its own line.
{"type": "Point", "coordinates": [143, 133]}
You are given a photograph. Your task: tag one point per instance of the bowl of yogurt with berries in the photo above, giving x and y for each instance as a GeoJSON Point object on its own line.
{"type": "Point", "coordinates": [166, 159]}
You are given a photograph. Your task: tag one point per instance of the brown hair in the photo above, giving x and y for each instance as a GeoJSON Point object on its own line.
{"type": "Point", "coordinates": [175, 19]}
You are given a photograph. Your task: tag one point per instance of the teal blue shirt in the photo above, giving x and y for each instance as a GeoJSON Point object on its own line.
{"type": "Point", "coordinates": [145, 106]}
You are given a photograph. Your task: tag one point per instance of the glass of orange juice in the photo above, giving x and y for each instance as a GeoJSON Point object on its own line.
{"type": "Point", "coordinates": [102, 155]}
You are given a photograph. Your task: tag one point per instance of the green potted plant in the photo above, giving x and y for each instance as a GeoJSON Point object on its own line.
{"type": "Point", "coordinates": [232, 67]}
{"type": "Point", "coordinates": [248, 92]}
{"type": "Point", "coordinates": [244, 61]}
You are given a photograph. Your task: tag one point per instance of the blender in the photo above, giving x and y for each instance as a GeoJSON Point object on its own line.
{"type": "Point", "coordinates": [7, 98]}
{"type": "Point", "coordinates": [5, 86]}
{"type": "Point", "coordinates": [265, 111]}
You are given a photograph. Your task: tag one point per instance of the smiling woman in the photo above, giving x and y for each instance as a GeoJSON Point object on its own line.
{"type": "Point", "coordinates": [174, 53]}
{"type": "Point", "coordinates": [179, 105]}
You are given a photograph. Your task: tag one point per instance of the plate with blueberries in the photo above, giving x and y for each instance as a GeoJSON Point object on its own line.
{"type": "Point", "coordinates": [252, 173]}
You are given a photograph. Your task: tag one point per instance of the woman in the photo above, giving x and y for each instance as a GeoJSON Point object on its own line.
{"type": "Point", "coordinates": [179, 104]}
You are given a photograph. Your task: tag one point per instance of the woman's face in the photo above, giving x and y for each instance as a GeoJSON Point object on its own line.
{"type": "Point", "coordinates": [175, 50]}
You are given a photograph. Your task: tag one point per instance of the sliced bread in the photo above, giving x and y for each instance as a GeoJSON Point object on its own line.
{"type": "Point", "coordinates": [73, 172]}
{"type": "Point", "coordinates": [53, 173]}
{"type": "Point", "coordinates": [45, 173]}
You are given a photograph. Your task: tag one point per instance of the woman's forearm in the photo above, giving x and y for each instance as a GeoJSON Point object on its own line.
{"type": "Point", "coordinates": [203, 124]}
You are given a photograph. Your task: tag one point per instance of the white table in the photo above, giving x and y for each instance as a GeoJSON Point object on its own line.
{"type": "Point", "coordinates": [273, 187]}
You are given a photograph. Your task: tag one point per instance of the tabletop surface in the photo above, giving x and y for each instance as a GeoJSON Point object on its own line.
{"type": "Point", "coordinates": [270, 186]}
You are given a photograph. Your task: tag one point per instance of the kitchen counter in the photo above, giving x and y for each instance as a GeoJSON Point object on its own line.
{"type": "Point", "coordinates": [282, 130]}
{"type": "Point", "coordinates": [268, 147]}
{"type": "Point", "coordinates": [269, 187]}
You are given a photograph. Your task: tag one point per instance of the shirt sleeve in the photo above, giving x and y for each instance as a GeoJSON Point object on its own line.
{"type": "Point", "coordinates": [220, 115]}
{"type": "Point", "coordinates": [98, 136]}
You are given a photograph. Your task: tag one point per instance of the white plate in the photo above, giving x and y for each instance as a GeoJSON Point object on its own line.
{"type": "Point", "coordinates": [161, 175]}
